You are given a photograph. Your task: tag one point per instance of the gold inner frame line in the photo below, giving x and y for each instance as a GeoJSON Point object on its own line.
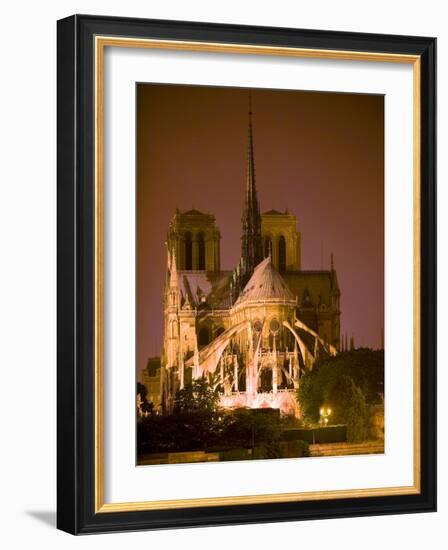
{"type": "Point", "coordinates": [101, 42]}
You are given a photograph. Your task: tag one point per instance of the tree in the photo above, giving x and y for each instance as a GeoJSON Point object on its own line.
{"type": "Point", "coordinates": [196, 409]}
{"type": "Point", "coordinates": [349, 407]}
{"type": "Point", "coordinates": [197, 397]}
{"type": "Point", "coordinates": [310, 396]}
{"type": "Point", "coordinates": [146, 406]}
{"type": "Point", "coordinates": [364, 368]}
{"type": "Point", "coordinates": [141, 389]}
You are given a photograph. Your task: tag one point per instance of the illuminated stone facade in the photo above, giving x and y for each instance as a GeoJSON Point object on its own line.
{"type": "Point", "coordinates": [195, 239]}
{"type": "Point", "coordinates": [254, 330]}
{"type": "Point", "coordinates": [281, 238]}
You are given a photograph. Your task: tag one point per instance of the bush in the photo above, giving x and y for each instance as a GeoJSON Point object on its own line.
{"type": "Point", "coordinates": [250, 427]}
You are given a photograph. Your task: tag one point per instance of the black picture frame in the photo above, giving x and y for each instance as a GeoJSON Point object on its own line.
{"type": "Point", "coordinates": [76, 271]}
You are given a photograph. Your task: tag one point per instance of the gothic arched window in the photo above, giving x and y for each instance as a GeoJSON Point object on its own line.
{"type": "Point", "coordinates": [201, 251]}
{"type": "Point", "coordinates": [281, 253]}
{"type": "Point", "coordinates": [188, 250]}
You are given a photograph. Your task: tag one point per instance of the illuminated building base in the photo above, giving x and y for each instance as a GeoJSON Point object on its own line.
{"type": "Point", "coordinates": [282, 399]}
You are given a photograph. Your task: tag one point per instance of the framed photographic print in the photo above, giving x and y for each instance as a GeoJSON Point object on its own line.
{"type": "Point", "coordinates": [246, 274]}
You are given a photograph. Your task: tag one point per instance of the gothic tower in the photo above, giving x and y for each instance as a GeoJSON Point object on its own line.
{"type": "Point", "coordinates": [195, 238]}
{"type": "Point", "coordinates": [251, 242]}
{"type": "Point", "coordinates": [280, 236]}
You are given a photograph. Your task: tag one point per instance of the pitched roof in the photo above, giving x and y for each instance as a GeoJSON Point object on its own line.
{"type": "Point", "coordinates": [313, 286]}
{"type": "Point", "coordinates": [265, 284]}
{"type": "Point", "coordinates": [212, 286]}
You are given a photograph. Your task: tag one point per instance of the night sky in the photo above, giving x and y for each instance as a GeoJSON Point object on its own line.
{"type": "Point", "coordinates": [320, 155]}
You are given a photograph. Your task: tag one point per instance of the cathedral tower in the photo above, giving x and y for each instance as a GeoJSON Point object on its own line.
{"type": "Point", "coordinates": [280, 236]}
{"type": "Point", "coordinates": [196, 240]}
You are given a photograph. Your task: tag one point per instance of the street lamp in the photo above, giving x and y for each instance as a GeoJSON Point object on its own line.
{"type": "Point", "coordinates": [325, 412]}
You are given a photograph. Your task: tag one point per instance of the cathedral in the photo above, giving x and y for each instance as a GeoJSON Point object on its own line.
{"type": "Point", "coordinates": [252, 331]}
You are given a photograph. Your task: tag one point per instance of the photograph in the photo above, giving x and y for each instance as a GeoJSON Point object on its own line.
{"type": "Point", "coordinates": [259, 274]}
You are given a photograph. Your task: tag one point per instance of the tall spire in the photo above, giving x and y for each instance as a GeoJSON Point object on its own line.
{"type": "Point", "coordinates": [251, 243]}
{"type": "Point", "coordinates": [251, 191]}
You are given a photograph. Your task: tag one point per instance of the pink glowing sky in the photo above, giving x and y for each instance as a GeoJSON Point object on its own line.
{"type": "Point", "coordinates": [318, 154]}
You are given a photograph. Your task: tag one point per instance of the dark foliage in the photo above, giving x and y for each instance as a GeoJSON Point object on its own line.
{"type": "Point", "coordinates": [197, 423]}
{"type": "Point", "coordinates": [349, 406]}
{"type": "Point", "coordinates": [364, 366]}
{"type": "Point", "coordinates": [249, 427]}
{"type": "Point", "coordinates": [317, 434]}
{"type": "Point", "coordinates": [198, 396]}
{"type": "Point", "coordinates": [348, 384]}
{"type": "Point", "coordinates": [146, 406]}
